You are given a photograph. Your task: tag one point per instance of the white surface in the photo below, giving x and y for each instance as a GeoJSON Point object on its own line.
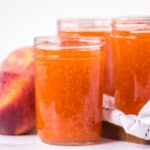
{"type": "Point", "coordinates": [32, 142]}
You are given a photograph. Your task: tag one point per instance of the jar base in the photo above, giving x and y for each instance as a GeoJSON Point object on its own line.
{"type": "Point", "coordinates": [71, 143]}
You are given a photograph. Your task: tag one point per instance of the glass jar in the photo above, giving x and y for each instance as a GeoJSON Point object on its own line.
{"type": "Point", "coordinates": [100, 27]}
{"type": "Point", "coordinates": [131, 51]}
{"type": "Point", "coordinates": [69, 74]}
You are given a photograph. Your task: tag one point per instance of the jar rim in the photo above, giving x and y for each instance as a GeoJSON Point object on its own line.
{"type": "Point", "coordinates": [84, 24]}
{"type": "Point", "coordinates": [53, 42]}
{"type": "Point", "coordinates": [132, 23]}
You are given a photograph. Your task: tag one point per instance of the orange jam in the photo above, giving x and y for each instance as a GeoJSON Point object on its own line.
{"type": "Point", "coordinates": [69, 86]}
{"type": "Point", "coordinates": [92, 27]}
{"type": "Point", "coordinates": [131, 50]}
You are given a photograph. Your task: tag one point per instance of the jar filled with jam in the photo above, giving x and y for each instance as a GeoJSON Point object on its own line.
{"type": "Point", "coordinates": [99, 27]}
{"type": "Point", "coordinates": [69, 76]}
{"type": "Point", "coordinates": [131, 51]}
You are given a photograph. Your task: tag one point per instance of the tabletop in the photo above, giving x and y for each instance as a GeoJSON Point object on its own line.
{"type": "Point", "coordinates": [32, 142]}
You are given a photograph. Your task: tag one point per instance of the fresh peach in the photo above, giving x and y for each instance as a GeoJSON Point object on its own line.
{"type": "Point", "coordinates": [17, 114]}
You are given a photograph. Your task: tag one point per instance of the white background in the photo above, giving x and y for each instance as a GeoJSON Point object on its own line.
{"type": "Point", "coordinates": [21, 20]}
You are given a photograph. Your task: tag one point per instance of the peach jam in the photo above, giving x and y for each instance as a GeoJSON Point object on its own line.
{"type": "Point", "coordinates": [69, 76]}
{"type": "Point", "coordinates": [131, 50]}
{"type": "Point", "coordinates": [100, 27]}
